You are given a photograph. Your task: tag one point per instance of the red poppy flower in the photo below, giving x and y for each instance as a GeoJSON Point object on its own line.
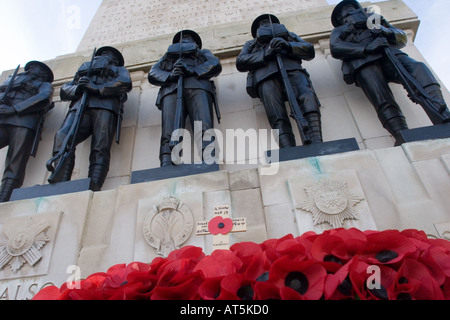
{"type": "Point", "coordinates": [265, 290]}
{"type": "Point", "coordinates": [185, 289]}
{"type": "Point", "coordinates": [188, 252]}
{"type": "Point", "coordinates": [220, 225]}
{"type": "Point", "coordinates": [245, 250]}
{"type": "Point", "coordinates": [235, 287]}
{"type": "Point", "coordinates": [306, 278]}
{"type": "Point", "coordinates": [357, 279]}
{"type": "Point", "coordinates": [323, 247]}
{"type": "Point", "coordinates": [446, 289]}
{"type": "Point", "coordinates": [230, 287]}
{"type": "Point", "coordinates": [338, 285]}
{"type": "Point", "coordinates": [254, 260]}
{"type": "Point", "coordinates": [210, 289]}
{"type": "Point", "coordinates": [48, 293]}
{"type": "Point", "coordinates": [177, 280]}
{"type": "Point", "coordinates": [437, 259]}
{"type": "Point", "coordinates": [387, 247]}
{"type": "Point", "coordinates": [219, 264]}
{"type": "Point", "coordinates": [131, 283]}
{"type": "Point", "coordinates": [415, 281]}
{"type": "Point", "coordinates": [88, 290]}
{"type": "Point", "coordinates": [270, 247]}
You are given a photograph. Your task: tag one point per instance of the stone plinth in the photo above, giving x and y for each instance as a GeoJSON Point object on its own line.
{"type": "Point", "coordinates": [393, 188]}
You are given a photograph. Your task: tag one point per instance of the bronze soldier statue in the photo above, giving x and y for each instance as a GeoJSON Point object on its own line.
{"type": "Point", "coordinates": [274, 62]}
{"type": "Point", "coordinates": [372, 58]}
{"type": "Point", "coordinates": [97, 94]}
{"type": "Point", "coordinates": [24, 100]}
{"type": "Point", "coordinates": [184, 74]}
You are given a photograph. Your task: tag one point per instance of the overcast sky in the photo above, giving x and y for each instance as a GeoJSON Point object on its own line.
{"type": "Point", "coordinates": [44, 29]}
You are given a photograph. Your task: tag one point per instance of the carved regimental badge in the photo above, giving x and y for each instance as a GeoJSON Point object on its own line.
{"type": "Point", "coordinates": [331, 202]}
{"type": "Point", "coordinates": [168, 226]}
{"type": "Point", "coordinates": [23, 243]}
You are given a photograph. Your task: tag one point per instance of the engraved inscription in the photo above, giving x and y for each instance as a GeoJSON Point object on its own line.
{"type": "Point", "coordinates": [120, 21]}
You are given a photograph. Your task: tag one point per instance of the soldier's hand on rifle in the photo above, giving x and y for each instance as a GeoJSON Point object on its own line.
{"type": "Point", "coordinates": [82, 83]}
{"type": "Point", "coordinates": [382, 31]}
{"type": "Point", "coordinates": [85, 84]}
{"type": "Point", "coordinates": [280, 43]}
{"type": "Point", "coordinates": [376, 45]}
{"type": "Point", "coordinates": [184, 68]}
{"type": "Point", "coordinates": [271, 52]}
{"type": "Point", "coordinates": [5, 100]}
{"type": "Point", "coordinates": [92, 89]}
{"type": "Point", "coordinates": [175, 74]}
{"type": "Point", "coordinates": [6, 110]}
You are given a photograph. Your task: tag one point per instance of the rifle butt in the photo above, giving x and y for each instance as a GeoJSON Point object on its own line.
{"type": "Point", "coordinates": [59, 170]}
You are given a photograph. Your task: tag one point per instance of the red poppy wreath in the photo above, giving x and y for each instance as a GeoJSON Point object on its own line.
{"type": "Point", "coordinates": [336, 265]}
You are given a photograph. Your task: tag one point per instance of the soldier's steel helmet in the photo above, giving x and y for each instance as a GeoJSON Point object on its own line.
{"type": "Point", "coordinates": [255, 24]}
{"type": "Point", "coordinates": [114, 51]}
{"type": "Point", "coordinates": [43, 66]}
{"type": "Point", "coordinates": [336, 15]}
{"type": "Point", "coordinates": [193, 34]}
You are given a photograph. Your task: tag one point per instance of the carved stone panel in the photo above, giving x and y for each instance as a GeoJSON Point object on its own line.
{"type": "Point", "coordinates": [26, 245]}
{"type": "Point", "coordinates": [331, 202]}
{"type": "Point", "coordinates": [165, 222]}
{"type": "Point", "coordinates": [328, 201]}
{"type": "Point", "coordinates": [168, 225]}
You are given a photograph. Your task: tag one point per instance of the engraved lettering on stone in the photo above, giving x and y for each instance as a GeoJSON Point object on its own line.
{"type": "Point", "coordinates": [331, 202]}
{"type": "Point", "coordinates": [168, 226]}
{"type": "Point", "coordinates": [23, 243]}
{"type": "Point", "coordinates": [116, 22]}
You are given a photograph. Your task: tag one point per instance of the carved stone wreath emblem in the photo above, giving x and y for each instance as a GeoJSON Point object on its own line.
{"type": "Point", "coordinates": [331, 202]}
{"type": "Point", "coordinates": [168, 225]}
{"type": "Point", "coordinates": [23, 244]}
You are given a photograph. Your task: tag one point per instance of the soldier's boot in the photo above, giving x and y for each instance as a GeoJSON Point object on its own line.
{"type": "Point", "coordinates": [8, 186]}
{"type": "Point", "coordinates": [165, 155]}
{"type": "Point", "coordinates": [98, 174]}
{"type": "Point", "coordinates": [435, 91]}
{"type": "Point", "coordinates": [286, 140]}
{"type": "Point", "coordinates": [315, 127]}
{"type": "Point", "coordinates": [66, 171]}
{"type": "Point", "coordinates": [166, 160]}
{"type": "Point", "coordinates": [394, 126]}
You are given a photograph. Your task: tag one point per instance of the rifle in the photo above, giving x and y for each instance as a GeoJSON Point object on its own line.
{"type": "Point", "coordinates": [10, 85]}
{"type": "Point", "coordinates": [68, 147]}
{"type": "Point", "coordinates": [38, 136]}
{"type": "Point", "coordinates": [216, 102]}
{"type": "Point", "coordinates": [119, 124]}
{"type": "Point", "coordinates": [179, 113]}
{"type": "Point", "coordinates": [296, 113]}
{"type": "Point", "coordinates": [415, 91]}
